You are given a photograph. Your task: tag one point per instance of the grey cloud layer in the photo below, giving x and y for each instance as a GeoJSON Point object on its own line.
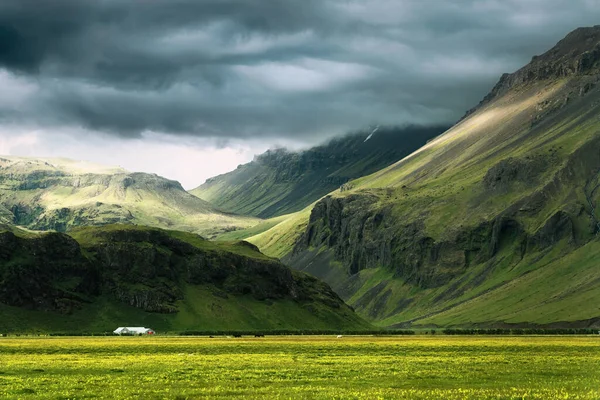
{"type": "Point", "coordinates": [264, 68]}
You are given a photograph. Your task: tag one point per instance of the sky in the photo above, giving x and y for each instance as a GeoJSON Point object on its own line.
{"type": "Point", "coordinates": [189, 89]}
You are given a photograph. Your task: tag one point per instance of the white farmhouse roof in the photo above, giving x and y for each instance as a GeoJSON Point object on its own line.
{"type": "Point", "coordinates": [125, 330]}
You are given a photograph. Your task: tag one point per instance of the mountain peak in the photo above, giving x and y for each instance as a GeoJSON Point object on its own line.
{"type": "Point", "coordinates": [576, 55]}
{"type": "Point", "coordinates": [576, 42]}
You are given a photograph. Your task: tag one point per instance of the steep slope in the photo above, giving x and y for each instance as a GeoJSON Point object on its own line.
{"type": "Point", "coordinates": [279, 182]}
{"type": "Point", "coordinates": [494, 222]}
{"type": "Point", "coordinates": [6, 217]}
{"type": "Point", "coordinates": [102, 277]}
{"type": "Point", "coordinates": [56, 194]}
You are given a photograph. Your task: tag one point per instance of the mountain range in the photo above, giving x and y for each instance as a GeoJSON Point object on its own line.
{"type": "Point", "coordinates": [493, 222]}
{"type": "Point", "coordinates": [57, 194]}
{"type": "Point", "coordinates": [280, 182]}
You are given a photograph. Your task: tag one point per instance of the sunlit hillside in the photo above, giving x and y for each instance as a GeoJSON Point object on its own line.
{"type": "Point", "coordinates": [458, 232]}
{"type": "Point", "coordinates": [57, 194]}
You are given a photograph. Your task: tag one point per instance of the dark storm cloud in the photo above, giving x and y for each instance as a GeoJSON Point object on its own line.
{"type": "Point", "coordinates": [242, 68]}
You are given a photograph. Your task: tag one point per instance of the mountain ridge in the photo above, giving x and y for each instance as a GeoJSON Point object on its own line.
{"type": "Point", "coordinates": [57, 194]}
{"type": "Point", "coordinates": [97, 278]}
{"type": "Point", "coordinates": [455, 233]}
{"type": "Point", "coordinates": [576, 54]}
{"type": "Point", "coordinates": [279, 181]}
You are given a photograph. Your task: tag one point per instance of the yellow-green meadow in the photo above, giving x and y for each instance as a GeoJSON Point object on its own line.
{"type": "Point", "coordinates": [417, 367]}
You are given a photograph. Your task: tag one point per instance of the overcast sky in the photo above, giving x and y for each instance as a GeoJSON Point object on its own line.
{"type": "Point", "coordinates": [191, 88]}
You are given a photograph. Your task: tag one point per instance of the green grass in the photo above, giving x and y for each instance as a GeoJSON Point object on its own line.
{"type": "Point", "coordinates": [203, 309]}
{"type": "Point", "coordinates": [252, 231]}
{"type": "Point", "coordinates": [280, 182]}
{"type": "Point", "coordinates": [19, 231]}
{"type": "Point", "coordinates": [301, 367]}
{"type": "Point", "coordinates": [280, 239]}
{"type": "Point", "coordinates": [557, 288]}
{"type": "Point", "coordinates": [204, 304]}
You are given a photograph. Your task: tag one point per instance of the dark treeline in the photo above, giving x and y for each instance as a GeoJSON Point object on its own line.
{"type": "Point", "coordinates": [295, 332]}
{"type": "Point", "coordinates": [277, 332]}
{"type": "Point", "coordinates": [282, 332]}
{"type": "Point", "coordinates": [527, 331]}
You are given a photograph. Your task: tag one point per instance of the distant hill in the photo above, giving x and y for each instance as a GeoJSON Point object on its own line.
{"type": "Point", "coordinates": [496, 222]}
{"type": "Point", "coordinates": [58, 194]}
{"type": "Point", "coordinates": [280, 182]}
{"type": "Point", "coordinates": [99, 278]}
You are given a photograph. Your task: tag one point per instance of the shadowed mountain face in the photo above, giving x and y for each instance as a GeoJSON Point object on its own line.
{"type": "Point", "coordinates": [280, 182]}
{"type": "Point", "coordinates": [98, 278]}
{"type": "Point", "coordinates": [495, 222]}
{"type": "Point", "coordinates": [57, 194]}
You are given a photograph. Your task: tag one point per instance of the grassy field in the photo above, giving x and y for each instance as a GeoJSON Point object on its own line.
{"type": "Point", "coordinates": [301, 367]}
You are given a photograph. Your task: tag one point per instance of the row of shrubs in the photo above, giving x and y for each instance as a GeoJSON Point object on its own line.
{"type": "Point", "coordinates": [527, 331]}
{"type": "Point", "coordinates": [277, 332]}
{"type": "Point", "coordinates": [295, 332]}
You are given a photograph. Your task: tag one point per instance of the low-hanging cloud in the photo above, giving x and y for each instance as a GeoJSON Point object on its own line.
{"type": "Point", "coordinates": [263, 69]}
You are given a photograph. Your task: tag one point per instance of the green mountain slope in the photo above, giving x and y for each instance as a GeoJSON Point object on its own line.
{"type": "Point", "coordinates": [6, 217]}
{"type": "Point", "coordinates": [494, 222]}
{"type": "Point", "coordinates": [279, 182]}
{"type": "Point", "coordinates": [99, 278]}
{"type": "Point", "coordinates": [57, 194]}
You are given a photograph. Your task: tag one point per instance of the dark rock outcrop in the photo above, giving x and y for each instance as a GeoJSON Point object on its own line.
{"type": "Point", "coordinates": [578, 54]}
{"type": "Point", "coordinates": [144, 268]}
{"type": "Point", "coordinates": [362, 233]}
{"type": "Point", "coordinates": [363, 237]}
{"type": "Point", "coordinates": [45, 273]}
{"type": "Point", "coordinates": [508, 171]}
{"type": "Point", "coordinates": [368, 238]}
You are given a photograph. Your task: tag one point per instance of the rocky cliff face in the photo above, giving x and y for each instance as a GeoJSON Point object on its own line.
{"type": "Point", "coordinates": [45, 273]}
{"type": "Point", "coordinates": [577, 55]}
{"type": "Point", "coordinates": [363, 231]}
{"type": "Point", "coordinates": [144, 268]}
{"type": "Point", "coordinates": [511, 190]}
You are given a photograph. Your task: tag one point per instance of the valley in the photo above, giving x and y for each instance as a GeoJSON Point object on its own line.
{"type": "Point", "coordinates": [322, 199]}
{"type": "Point", "coordinates": [281, 182]}
{"type": "Point", "coordinates": [458, 232]}
{"type": "Point", "coordinates": [492, 223]}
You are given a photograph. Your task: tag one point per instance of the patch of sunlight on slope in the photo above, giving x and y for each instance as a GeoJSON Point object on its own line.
{"type": "Point", "coordinates": [475, 134]}
{"type": "Point", "coordinates": [440, 167]}
{"type": "Point", "coordinates": [63, 164]}
{"type": "Point", "coordinates": [103, 194]}
{"type": "Point", "coordinates": [149, 207]}
{"type": "Point", "coordinates": [280, 239]}
{"type": "Point", "coordinates": [254, 230]}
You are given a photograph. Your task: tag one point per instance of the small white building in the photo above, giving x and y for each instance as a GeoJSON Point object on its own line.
{"type": "Point", "coordinates": [133, 331]}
